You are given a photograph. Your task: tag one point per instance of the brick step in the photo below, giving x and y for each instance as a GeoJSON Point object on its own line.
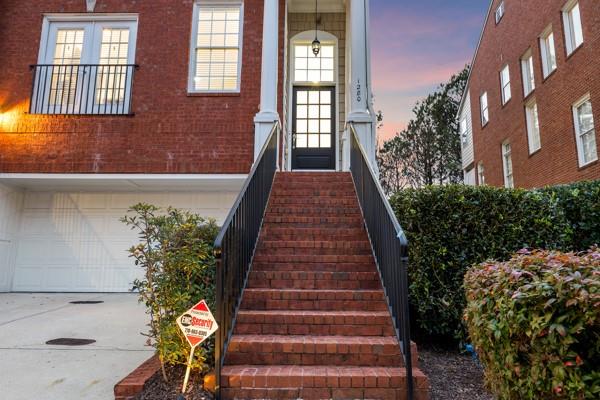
{"type": "Point", "coordinates": [314, 267]}
{"type": "Point", "coordinates": [313, 211]}
{"type": "Point", "coordinates": [313, 177]}
{"type": "Point", "coordinates": [348, 201]}
{"type": "Point", "coordinates": [313, 299]}
{"type": "Point", "coordinates": [311, 192]}
{"type": "Point", "coordinates": [274, 232]}
{"type": "Point", "coordinates": [340, 323]}
{"type": "Point", "coordinates": [324, 259]}
{"type": "Point", "coordinates": [383, 351]}
{"type": "Point", "coordinates": [293, 221]}
{"type": "Point", "coordinates": [319, 382]}
{"type": "Point", "coordinates": [275, 247]}
{"type": "Point", "coordinates": [308, 185]}
{"type": "Point", "coordinates": [314, 280]}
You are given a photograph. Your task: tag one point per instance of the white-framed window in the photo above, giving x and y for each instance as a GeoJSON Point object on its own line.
{"type": "Point", "coordinates": [505, 83]}
{"type": "Point", "coordinates": [480, 174]}
{"type": "Point", "coordinates": [483, 103]}
{"type": "Point", "coordinates": [533, 127]}
{"type": "Point", "coordinates": [85, 65]}
{"type": "Point", "coordinates": [573, 28]}
{"type": "Point", "coordinates": [499, 12]}
{"type": "Point", "coordinates": [548, 52]}
{"type": "Point", "coordinates": [216, 48]}
{"type": "Point", "coordinates": [309, 68]}
{"type": "Point", "coordinates": [585, 132]}
{"type": "Point", "coordinates": [464, 137]}
{"type": "Point", "coordinates": [507, 165]}
{"type": "Point", "coordinates": [528, 74]}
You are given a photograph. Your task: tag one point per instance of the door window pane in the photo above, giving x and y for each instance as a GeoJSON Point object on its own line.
{"type": "Point", "coordinates": [67, 54]}
{"type": "Point", "coordinates": [311, 68]}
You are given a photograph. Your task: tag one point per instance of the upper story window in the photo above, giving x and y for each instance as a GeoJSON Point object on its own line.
{"type": "Point", "coordinates": [527, 72]}
{"type": "Point", "coordinates": [573, 28]}
{"type": "Point", "coordinates": [584, 131]}
{"type": "Point", "coordinates": [505, 83]}
{"type": "Point", "coordinates": [308, 68]}
{"type": "Point", "coordinates": [215, 56]}
{"type": "Point", "coordinates": [485, 116]}
{"type": "Point", "coordinates": [533, 127]}
{"type": "Point", "coordinates": [507, 165]}
{"type": "Point", "coordinates": [463, 132]}
{"type": "Point", "coordinates": [548, 52]}
{"type": "Point", "coordinates": [85, 66]}
{"type": "Point", "coordinates": [499, 12]}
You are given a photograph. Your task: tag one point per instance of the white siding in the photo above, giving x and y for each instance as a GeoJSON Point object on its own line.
{"type": "Point", "coordinates": [467, 143]}
{"type": "Point", "coordinates": [75, 242]}
{"type": "Point", "coordinates": [10, 207]}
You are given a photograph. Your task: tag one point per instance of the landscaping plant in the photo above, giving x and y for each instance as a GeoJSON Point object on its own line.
{"type": "Point", "coordinates": [535, 323]}
{"type": "Point", "coordinates": [176, 255]}
{"type": "Point", "coordinates": [452, 227]}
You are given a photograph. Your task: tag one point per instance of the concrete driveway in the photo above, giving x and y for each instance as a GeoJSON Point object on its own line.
{"type": "Point", "coordinates": [30, 369]}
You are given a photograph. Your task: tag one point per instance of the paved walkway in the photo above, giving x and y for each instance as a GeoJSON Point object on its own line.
{"type": "Point", "coordinates": [30, 369]}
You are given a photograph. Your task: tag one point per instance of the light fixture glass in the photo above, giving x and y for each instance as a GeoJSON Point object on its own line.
{"type": "Point", "coordinates": [316, 46]}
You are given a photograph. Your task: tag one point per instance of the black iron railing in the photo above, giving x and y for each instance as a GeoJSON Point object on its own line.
{"type": "Point", "coordinates": [236, 242]}
{"type": "Point", "coordinates": [390, 246]}
{"type": "Point", "coordinates": [82, 89]}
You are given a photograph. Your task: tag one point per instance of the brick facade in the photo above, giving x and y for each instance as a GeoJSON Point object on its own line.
{"type": "Point", "coordinates": [576, 75]}
{"type": "Point", "coordinates": [171, 131]}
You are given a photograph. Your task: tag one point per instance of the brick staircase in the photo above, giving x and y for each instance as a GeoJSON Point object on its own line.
{"type": "Point", "coordinates": [313, 322]}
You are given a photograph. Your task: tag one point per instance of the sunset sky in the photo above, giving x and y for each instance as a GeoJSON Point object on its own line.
{"type": "Point", "coordinates": [416, 45]}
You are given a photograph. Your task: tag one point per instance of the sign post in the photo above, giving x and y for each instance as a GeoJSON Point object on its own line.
{"type": "Point", "coordinates": [197, 324]}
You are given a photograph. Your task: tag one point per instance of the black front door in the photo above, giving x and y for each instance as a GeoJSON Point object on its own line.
{"type": "Point", "coordinates": [313, 128]}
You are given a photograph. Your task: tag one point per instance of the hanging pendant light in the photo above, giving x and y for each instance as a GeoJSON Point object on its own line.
{"type": "Point", "coordinates": [316, 45]}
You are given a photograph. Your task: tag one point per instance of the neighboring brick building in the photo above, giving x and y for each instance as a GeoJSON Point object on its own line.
{"type": "Point", "coordinates": [164, 101]}
{"type": "Point", "coordinates": [533, 95]}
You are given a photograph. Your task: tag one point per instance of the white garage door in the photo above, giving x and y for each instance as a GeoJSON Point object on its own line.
{"type": "Point", "coordinates": [74, 242]}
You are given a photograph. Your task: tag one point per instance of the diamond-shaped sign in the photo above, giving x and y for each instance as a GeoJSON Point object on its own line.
{"type": "Point", "coordinates": [197, 324]}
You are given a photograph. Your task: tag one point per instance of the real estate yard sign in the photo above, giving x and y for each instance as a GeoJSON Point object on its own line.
{"type": "Point", "coordinates": [197, 324]}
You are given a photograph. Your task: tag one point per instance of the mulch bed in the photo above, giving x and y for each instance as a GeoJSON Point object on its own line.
{"type": "Point", "coordinates": [452, 375]}
{"type": "Point", "coordinates": [157, 389]}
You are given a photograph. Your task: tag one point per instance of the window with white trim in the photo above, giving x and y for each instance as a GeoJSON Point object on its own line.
{"type": "Point", "coordinates": [584, 131]}
{"type": "Point", "coordinates": [533, 127]}
{"type": "Point", "coordinates": [215, 56]}
{"type": "Point", "coordinates": [527, 72]}
{"type": "Point", "coordinates": [505, 83]}
{"type": "Point", "coordinates": [573, 28]}
{"type": "Point", "coordinates": [480, 174]}
{"type": "Point", "coordinates": [507, 165]}
{"type": "Point", "coordinates": [483, 103]}
{"type": "Point", "coordinates": [548, 52]}
{"type": "Point", "coordinates": [463, 132]}
{"type": "Point", "coordinates": [499, 12]}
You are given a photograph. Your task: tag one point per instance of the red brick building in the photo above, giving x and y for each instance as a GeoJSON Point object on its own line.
{"type": "Point", "coordinates": [110, 102]}
{"type": "Point", "coordinates": [527, 119]}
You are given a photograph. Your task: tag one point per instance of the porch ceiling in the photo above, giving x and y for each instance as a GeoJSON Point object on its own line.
{"type": "Point", "coordinates": [308, 6]}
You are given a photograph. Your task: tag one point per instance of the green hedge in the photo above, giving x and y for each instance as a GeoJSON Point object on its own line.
{"type": "Point", "coordinates": [535, 323]}
{"type": "Point", "coordinates": [581, 203]}
{"type": "Point", "coordinates": [453, 227]}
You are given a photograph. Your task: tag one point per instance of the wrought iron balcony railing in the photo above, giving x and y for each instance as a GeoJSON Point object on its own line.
{"type": "Point", "coordinates": [82, 89]}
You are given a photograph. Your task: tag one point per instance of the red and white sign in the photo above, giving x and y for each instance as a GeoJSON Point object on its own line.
{"type": "Point", "coordinates": [197, 324]}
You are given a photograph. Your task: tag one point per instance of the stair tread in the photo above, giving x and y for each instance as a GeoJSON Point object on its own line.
{"type": "Point", "coordinates": [337, 339]}
{"type": "Point", "coordinates": [317, 312]}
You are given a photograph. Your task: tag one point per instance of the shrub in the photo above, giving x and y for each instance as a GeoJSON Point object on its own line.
{"type": "Point", "coordinates": [535, 323]}
{"type": "Point", "coordinates": [581, 204]}
{"type": "Point", "coordinates": [176, 255]}
{"type": "Point", "coordinates": [453, 227]}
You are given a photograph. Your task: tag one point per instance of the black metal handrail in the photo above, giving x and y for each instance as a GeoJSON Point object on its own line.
{"type": "Point", "coordinates": [390, 246]}
{"type": "Point", "coordinates": [236, 242]}
{"type": "Point", "coordinates": [82, 89]}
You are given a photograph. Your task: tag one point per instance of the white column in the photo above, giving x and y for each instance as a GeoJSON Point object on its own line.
{"type": "Point", "coordinates": [359, 85]}
{"type": "Point", "coordinates": [263, 121]}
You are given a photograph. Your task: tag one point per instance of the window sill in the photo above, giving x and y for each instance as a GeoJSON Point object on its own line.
{"type": "Point", "coordinates": [550, 75]}
{"type": "Point", "coordinates": [213, 94]}
{"type": "Point", "coordinates": [484, 125]}
{"type": "Point", "coordinates": [589, 164]}
{"type": "Point", "coordinates": [575, 50]}
{"type": "Point", "coordinates": [529, 96]}
{"type": "Point", "coordinates": [504, 104]}
{"type": "Point", "coordinates": [535, 152]}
